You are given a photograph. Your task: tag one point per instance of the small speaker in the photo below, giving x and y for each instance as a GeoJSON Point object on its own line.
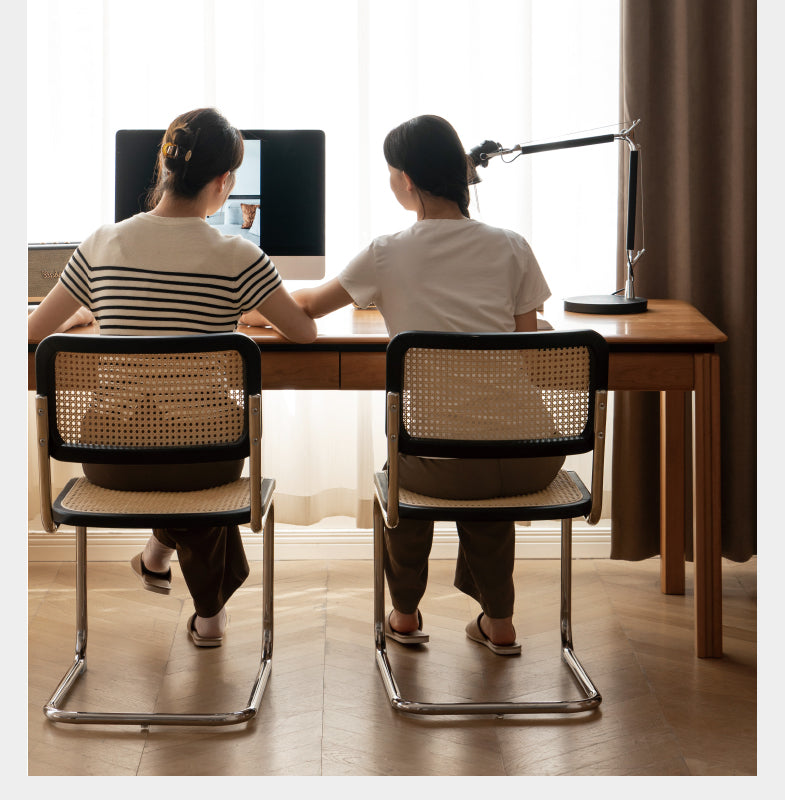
{"type": "Point", "coordinates": [45, 262]}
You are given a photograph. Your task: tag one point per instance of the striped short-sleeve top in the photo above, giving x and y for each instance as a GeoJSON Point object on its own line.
{"type": "Point", "coordinates": [167, 276]}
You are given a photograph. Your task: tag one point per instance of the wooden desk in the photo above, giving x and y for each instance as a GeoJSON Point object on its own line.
{"type": "Point", "coordinates": [670, 349]}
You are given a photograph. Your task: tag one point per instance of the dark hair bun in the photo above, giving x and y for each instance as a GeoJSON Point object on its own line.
{"type": "Point", "coordinates": [197, 147]}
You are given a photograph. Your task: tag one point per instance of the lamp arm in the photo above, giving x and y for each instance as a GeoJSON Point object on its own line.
{"type": "Point", "coordinates": [632, 186]}
{"type": "Point", "coordinates": [479, 156]}
{"type": "Point", "coordinates": [562, 144]}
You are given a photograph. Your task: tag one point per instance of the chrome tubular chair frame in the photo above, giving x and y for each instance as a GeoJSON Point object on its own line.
{"type": "Point", "coordinates": [388, 506]}
{"type": "Point", "coordinates": [54, 707]}
{"type": "Point", "coordinates": [257, 509]}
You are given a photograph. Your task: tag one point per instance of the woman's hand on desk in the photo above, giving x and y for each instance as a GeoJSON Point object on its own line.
{"type": "Point", "coordinates": [253, 319]}
{"type": "Point", "coordinates": [543, 324]}
{"type": "Point", "coordinates": [284, 316]}
{"type": "Point", "coordinates": [82, 317]}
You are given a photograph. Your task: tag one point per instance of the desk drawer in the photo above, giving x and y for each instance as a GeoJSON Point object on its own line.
{"type": "Point", "coordinates": [363, 370]}
{"type": "Point", "coordinates": [300, 370]}
{"type": "Point", "coordinates": [651, 371]}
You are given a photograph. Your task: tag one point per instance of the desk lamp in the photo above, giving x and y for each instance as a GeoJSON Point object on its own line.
{"type": "Point", "coordinates": [616, 303]}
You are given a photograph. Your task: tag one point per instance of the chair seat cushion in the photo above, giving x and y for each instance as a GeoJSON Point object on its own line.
{"type": "Point", "coordinates": [83, 503]}
{"type": "Point", "coordinates": [565, 497]}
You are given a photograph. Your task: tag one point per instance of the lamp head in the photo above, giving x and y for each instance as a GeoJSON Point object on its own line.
{"type": "Point", "coordinates": [478, 157]}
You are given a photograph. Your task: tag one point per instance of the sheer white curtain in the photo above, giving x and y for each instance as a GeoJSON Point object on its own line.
{"type": "Point", "coordinates": [508, 71]}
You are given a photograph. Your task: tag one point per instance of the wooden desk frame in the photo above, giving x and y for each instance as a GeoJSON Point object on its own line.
{"type": "Point", "coordinates": [669, 349]}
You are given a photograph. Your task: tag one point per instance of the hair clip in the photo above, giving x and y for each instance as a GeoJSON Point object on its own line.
{"type": "Point", "coordinates": [170, 150]}
{"type": "Point", "coordinates": [188, 155]}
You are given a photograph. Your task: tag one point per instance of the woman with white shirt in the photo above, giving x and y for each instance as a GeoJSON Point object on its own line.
{"type": "Point", "coordinates": [446, 272]}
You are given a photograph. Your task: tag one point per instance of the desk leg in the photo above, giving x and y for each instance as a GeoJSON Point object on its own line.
{"type": "Point", "coordinates": [708, 541]}
{"type": "Point", "coordinates": [673, 490]}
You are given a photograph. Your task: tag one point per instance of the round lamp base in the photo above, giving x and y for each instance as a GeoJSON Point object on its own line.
{"type": "Point", "coordinates": [605, 304]}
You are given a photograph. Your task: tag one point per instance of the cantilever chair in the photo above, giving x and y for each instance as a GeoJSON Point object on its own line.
{"type": "Point", "coordinates": [145, 400]}
{"type": "Point", "coordinates": [459, 395]}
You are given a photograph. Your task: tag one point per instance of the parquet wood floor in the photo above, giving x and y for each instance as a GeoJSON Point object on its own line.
{"type": "Point", "coordinates": [664, 712]}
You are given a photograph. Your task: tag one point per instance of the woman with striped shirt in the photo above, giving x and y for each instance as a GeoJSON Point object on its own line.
{"type": "Point", "coordinates": [168, 272]}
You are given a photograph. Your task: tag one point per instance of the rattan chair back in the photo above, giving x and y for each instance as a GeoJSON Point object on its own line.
{"type": "Point", "coordinates": [515, 395]}
{"type": "Point", "coordinates": [147, 399]}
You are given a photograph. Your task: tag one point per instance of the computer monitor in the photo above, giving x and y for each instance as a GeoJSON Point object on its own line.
{"type": "Point", "coordinates": [280, 183]}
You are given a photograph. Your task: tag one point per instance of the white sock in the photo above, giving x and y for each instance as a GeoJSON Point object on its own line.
{"type": "Point", "coordinates": [156, 556]}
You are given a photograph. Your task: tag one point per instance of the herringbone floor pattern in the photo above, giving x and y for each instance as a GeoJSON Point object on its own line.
{"type": "Point", "coordinates": [664, 712]}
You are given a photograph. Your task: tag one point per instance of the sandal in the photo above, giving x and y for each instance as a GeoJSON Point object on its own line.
{"type": "Point", "coordinates": [202, 641]}
{"type": "Point", "coordinates": [413, 637]}
{"type": "Point", "coordinates": [160, 582]}
{"type": "Point", "coordinates": [476, 634]}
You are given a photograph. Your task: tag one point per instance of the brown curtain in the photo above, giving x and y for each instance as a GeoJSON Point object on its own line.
{"type": "Point", "coordinates": [688, 72]}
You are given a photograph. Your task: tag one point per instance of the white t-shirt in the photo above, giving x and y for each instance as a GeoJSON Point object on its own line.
{"type": "Point", "coordinates": [167, 276]}
{"type": "Point", "coordinates": [447, 275]}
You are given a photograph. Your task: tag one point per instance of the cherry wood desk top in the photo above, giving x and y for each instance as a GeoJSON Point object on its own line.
{"type": "Point", "coordinates": [652, 350]}
{"type": "Point", "coordinates": [666, 323]}
{"type": "Point", "coordinates": [348, 351]}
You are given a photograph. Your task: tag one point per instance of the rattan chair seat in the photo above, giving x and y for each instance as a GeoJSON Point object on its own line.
{"type": "Point", "coordinates": [561, 491]}
{"type": "Point", "coordinates": [86, 497]}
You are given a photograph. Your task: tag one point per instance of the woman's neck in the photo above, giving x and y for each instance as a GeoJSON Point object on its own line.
{"type": "Point", "coordinates": [173, 206]}
{"type": "Point", "coordinates": [432, 207]}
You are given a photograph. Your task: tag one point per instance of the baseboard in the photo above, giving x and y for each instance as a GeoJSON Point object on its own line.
{"type": "Point", "coordinates": [292, 544]}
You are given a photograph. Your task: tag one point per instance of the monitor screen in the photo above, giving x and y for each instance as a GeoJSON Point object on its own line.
{"type": "Point", "coordinates": [277, 201]}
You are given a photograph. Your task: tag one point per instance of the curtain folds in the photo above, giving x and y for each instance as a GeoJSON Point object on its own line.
{"type": "Point", "coordinates": [688, 71]}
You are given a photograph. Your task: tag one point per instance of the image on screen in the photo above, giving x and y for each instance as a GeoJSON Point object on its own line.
{"type": "Point", "coordinates": [239, 214]}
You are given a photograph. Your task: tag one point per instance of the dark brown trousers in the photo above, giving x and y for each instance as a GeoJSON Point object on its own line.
{"type": "Point", "coordinates": [486, 551]}
{"type": "Point", "coordinates": [212, 559]}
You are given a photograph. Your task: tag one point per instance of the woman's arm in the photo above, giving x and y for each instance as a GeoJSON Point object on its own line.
{"type": "Point", "coordinates": [320, 300]}
{"type": "Point", "coordinates": [525, 323]}
{"type": "Point", "coordinates": [56, 313]}
{"type": "Point", "coordinates": [286, 316]}
{"type": "Point", "coordinates": [315, 301]}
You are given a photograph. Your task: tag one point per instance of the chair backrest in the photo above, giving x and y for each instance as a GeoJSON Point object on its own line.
{"type": "Point", "coordinates": [147, 399]}
{"type": "Point", "coordinates": [475, 395]}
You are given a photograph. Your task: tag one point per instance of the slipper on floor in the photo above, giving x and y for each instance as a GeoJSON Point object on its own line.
{"type": "Point", "coordinates": [476, 634]}
{"type": "Point", "coordinates": [414, 637]}
{"type": "Point", "coordinates": [198, 639]}
{"type": "Point", "coordinates": [160, 582]}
